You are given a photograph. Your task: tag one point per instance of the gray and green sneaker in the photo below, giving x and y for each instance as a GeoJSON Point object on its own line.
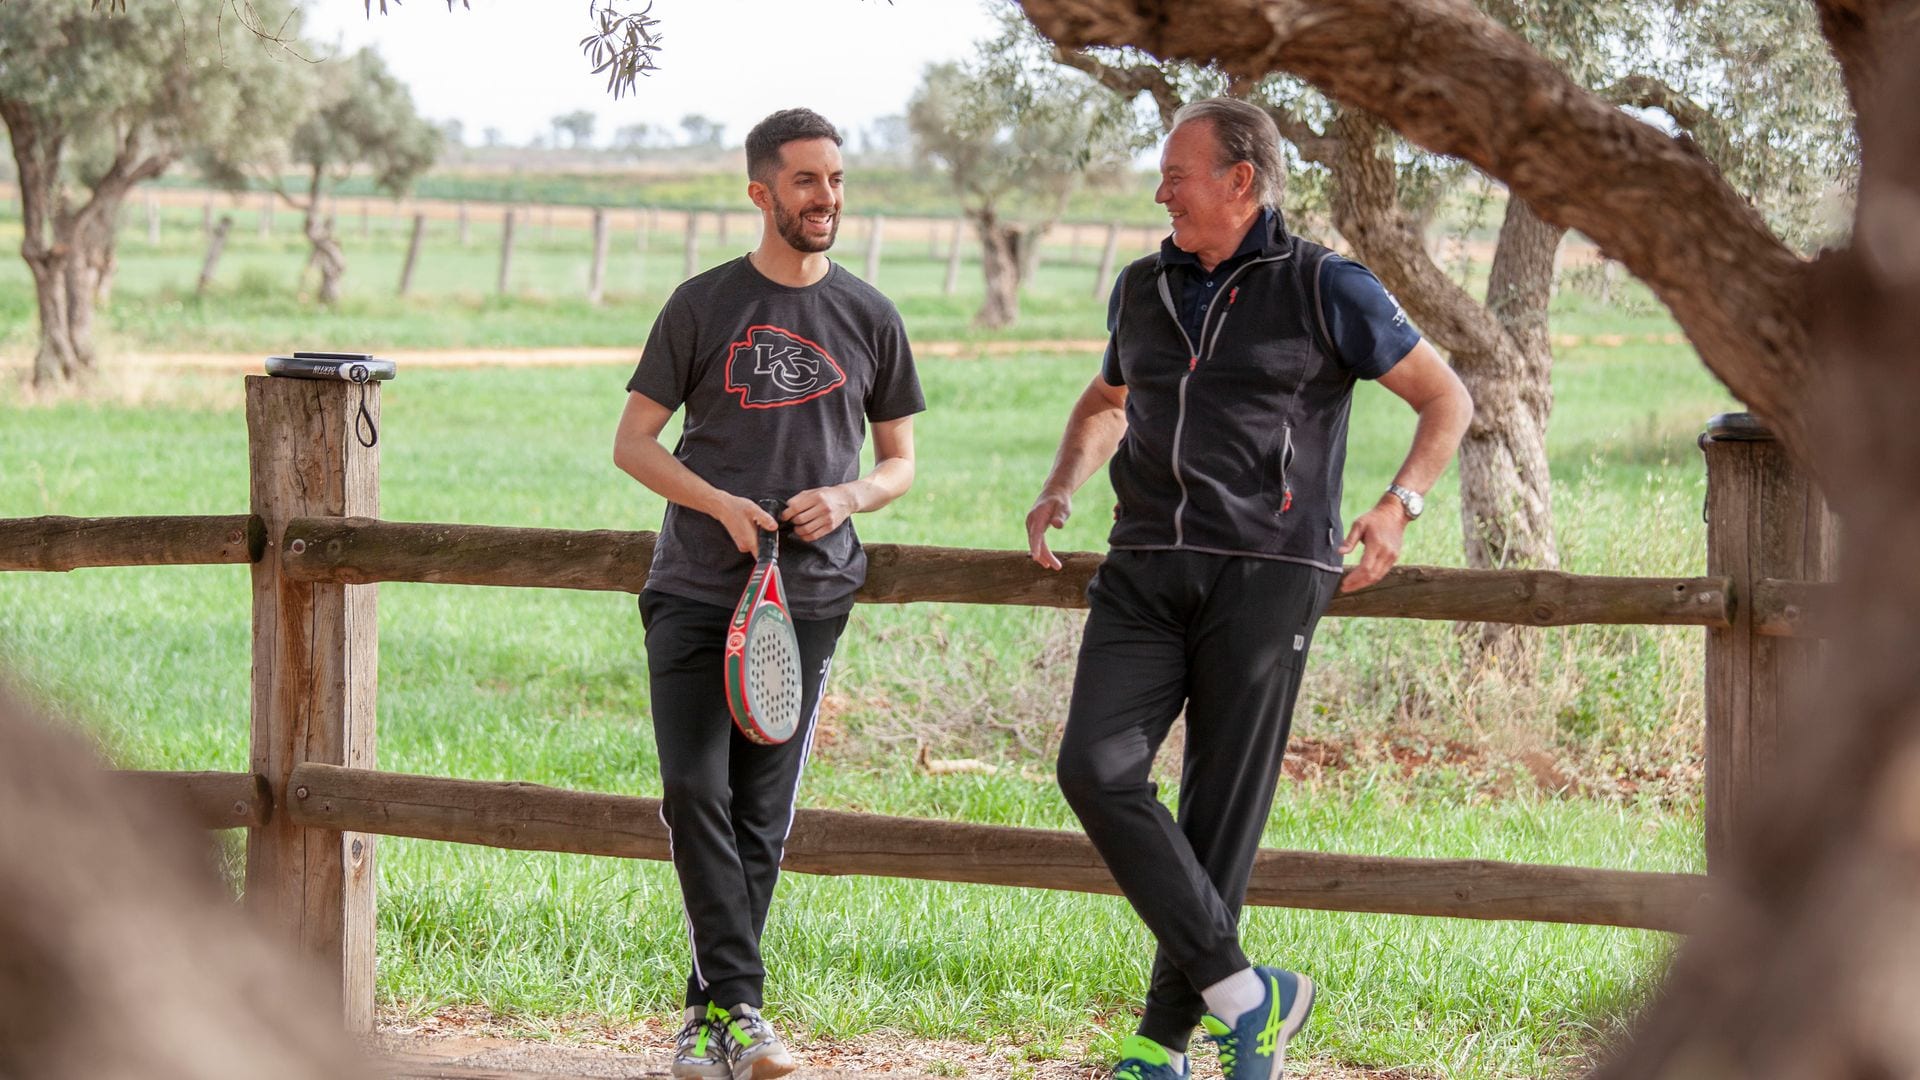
{"type": "Point", "coordinates": [699, 1052]}
{"type": "Point", "coordinates": [752, 1048]}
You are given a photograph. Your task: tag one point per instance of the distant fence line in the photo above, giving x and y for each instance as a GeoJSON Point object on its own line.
{"type": "Point", "coordinates": [1102, 245]}
{"type": "Point", "coordinates": [876, 237]}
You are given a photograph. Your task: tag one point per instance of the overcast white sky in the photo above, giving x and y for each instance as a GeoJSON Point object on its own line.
{"type": "Point", "coordinates": [516, 64]}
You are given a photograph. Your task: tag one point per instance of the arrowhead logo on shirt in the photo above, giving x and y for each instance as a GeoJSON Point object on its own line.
{"type": "Point", "coordinates": [772, 367]}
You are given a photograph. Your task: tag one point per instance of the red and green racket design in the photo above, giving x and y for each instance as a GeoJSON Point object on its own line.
{"type": "Point", "coordinates": [763, 657]}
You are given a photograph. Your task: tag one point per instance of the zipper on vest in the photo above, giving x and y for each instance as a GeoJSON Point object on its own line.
{"type": "Point", "coordinates": [1193, 364]}
{"type": "Point", "coordinates": [1286, 459]}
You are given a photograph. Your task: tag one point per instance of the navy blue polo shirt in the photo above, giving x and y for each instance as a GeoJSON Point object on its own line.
{"type": "Point", "coordinates": [1370, 331]}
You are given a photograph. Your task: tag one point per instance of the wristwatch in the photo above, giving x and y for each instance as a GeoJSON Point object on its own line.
{"type": "Point", "coordinates": [1412, 500]}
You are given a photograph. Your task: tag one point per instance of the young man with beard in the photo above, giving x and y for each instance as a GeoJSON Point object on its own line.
{"type": "Point", "coordinates": [781, 359]}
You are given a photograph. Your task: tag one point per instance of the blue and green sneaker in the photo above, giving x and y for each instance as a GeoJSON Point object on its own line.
{"type": "Point", "coordinates": [1143, 1059]}
{"type": "Point", "coordinates": [1255, 1048]}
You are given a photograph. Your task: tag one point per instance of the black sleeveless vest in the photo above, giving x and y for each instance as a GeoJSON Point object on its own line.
{"type": "Point", "coordinates": [1236, 442]}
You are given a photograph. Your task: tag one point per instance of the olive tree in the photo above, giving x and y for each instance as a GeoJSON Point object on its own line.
{"type": "Point", "coordinates": [1016, 136]}
{"type": "Point", "coordinates": [95, 103]}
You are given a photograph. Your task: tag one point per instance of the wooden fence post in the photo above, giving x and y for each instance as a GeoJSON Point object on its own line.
{"type": "Point", "coordinates": [642, 224]}
{"type": "Point", "coordinates": [1103, 277]}
{"type": "Point", "coordinates": [878, 225]}
{"type": "Point", "coordinates": [721, 218]}
{"type": "Point", "coordinates": [413, 253]}
{"type": "Point", "coordinates": [216, 243]}
{"type": "Point", "coordinates": [315, 652]}
{"type": "Point", "coordinates": [953, 263]}
{"type": "Point", "coordinates": [464, 238]}
{"type": "Point", "coordinates": [153, 220]}
{"type": "Point", "coordinates": [692, 261]}
{"type": "Point", "coordinates": [1765, 520]}
{"type": "Point", "coordinates": [597, 275]}
{"type": "Point", "coordinates": [506, 251]}
{"type": "Point", "coordinates": [266, 214]}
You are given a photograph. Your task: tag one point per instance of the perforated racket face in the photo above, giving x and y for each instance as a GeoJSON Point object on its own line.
{"type": "Point", "coordinates": [772, 677]}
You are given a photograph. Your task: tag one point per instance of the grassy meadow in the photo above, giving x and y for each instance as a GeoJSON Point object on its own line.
{"type": "Point", "coordinates": [1403, 749]}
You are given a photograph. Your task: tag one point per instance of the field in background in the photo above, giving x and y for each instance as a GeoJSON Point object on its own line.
{"type": "Point", "coordinates": [1593, 762]}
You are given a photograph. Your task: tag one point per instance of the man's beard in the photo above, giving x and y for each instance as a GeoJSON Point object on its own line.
{"type": "Point", "coordinates": [791, 228]}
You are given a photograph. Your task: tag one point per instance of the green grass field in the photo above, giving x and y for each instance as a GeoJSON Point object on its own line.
{"type": "Point", "coordinates": [550, 686]}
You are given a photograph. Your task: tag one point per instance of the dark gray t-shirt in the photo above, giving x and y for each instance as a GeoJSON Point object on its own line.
{"type": "Point", "coordinates": [778, 384]}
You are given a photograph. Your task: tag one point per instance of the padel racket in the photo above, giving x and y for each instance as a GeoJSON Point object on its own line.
{"type": "Point", "coordinates": [763, 656]}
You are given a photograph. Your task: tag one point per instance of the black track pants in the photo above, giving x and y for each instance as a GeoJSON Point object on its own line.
{"type": "Point", "coordinates": [728, 803]}
{"type": "Point", "coordinates": [1225, 637]}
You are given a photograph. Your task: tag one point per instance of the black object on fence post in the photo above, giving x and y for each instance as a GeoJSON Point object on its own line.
{"type": "Point", "coordinates": [315, 655]}
{"type": "Point", "coordinates": [413, 253]}
{"type": "Point", "coordinates": [506, 251]}
{"type": "Point", "coordinates": [1766, 524]}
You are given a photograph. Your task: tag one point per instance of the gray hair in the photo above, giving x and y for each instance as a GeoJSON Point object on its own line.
{"type": "Point", "coordinates": [1246, 133]}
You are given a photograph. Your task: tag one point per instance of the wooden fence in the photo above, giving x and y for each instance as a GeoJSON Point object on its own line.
{"type": "Point", "coordinates": [313, 801]}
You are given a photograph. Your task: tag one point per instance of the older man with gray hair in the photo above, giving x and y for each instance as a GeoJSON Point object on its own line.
{"type": "Point", "coordinates": [1222, 401]}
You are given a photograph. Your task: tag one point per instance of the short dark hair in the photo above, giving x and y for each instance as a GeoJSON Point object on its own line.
{"type": "Point", "coordinates": [769, 135]}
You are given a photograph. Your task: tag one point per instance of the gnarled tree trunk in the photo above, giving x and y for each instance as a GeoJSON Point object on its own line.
{"type": "Point", "coordinates": [68, 250]}
{"type": "Point", "coordinates": [1003, 259]}
{"type": "Point", "coordinates": [1501, 350]}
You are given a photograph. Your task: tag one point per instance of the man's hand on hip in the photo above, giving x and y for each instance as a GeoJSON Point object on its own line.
{"type": "Point", "coordinates": [1380, 531]}
{"type": "Point", "coordinates": [1050, 511]}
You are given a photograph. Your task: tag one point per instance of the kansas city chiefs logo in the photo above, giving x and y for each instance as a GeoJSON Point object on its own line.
{"type": "Point", "coordinates": [774, 367]}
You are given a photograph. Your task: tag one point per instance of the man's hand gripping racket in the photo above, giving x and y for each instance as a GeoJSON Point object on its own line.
{"type": "Point", "coordinates": [763, 656]}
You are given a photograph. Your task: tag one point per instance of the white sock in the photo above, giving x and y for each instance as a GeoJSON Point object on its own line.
{"type": "Point", "coordinates": [1232, 996]}
{"type": "Point", "coordinates": [1176, 1059]}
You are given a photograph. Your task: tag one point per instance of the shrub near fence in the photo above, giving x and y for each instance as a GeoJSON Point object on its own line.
{"type": "Point", "coordinates": [314, 803]}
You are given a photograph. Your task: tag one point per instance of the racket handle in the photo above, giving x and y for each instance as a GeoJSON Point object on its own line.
{"type": "Point", "coordinates": [770, 541]}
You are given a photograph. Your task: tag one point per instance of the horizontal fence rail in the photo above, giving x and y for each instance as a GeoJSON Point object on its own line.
{"type": "Point", "coordinates": [211, 800]}
{"type": "Point", "coordinates": [59, 544]}
{"type": "Point", "coordinates": [533, 817]}
{"type": "Point", "coordinates": [360, 550]}
{"type": "Point", "coordinates": [364, 550]}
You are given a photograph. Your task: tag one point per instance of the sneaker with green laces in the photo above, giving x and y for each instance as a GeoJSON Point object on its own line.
{"type": "Point", "coordinates": [1255, 1046]}
{"type": "Point", "coordinates": [1143, 1059]}
{"type": "Point", "coordinates": [752, 1049]}
{"type": "Point", "coordinates": [698, 1053]}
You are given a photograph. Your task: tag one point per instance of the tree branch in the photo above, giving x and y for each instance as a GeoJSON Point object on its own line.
{"type": "Point", "coordinates": [1128, 81]}
{"type": "Point", "coordinates": [1452, 80]}
{"type": "Point", "coordinates": [1313, 145]}
{"type": "Point", "coordinates": [1648, 92]}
